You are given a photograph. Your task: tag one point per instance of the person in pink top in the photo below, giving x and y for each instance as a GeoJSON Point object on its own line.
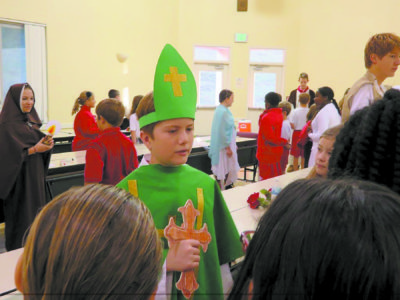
{"type": "Point", "coordinates": [85, 125]}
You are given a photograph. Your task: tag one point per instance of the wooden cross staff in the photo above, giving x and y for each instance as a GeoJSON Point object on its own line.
{"type": "Point", "coordinates": [187, 282]}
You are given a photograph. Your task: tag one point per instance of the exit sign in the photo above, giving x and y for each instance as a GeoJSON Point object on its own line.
{"type": "Point", "coordinates": [241, 37]}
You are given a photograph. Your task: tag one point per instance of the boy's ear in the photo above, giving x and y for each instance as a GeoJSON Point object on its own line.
{"type": "Point", "coordinates": [374, 58]}
{"type": "Point", "coordinates": [146, 139]}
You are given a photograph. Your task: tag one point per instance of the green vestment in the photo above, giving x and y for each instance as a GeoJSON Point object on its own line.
{"type": "Point", "coordinates": [164, 190]}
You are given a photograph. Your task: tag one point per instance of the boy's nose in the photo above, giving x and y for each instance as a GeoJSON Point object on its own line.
{"type": "Point", "coordinates": [183, 137]}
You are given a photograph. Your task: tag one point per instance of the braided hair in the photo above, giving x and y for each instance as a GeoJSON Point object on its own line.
{"type": "Point", "coordinates": [368, 147]}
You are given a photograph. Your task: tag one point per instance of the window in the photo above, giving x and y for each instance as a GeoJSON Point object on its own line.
{"type": "Point", "coordinates": [211, 73]}
{"type": "Point", "coordinates": [266, 74]}
{"type": "Point", "coordinates": [13, 59]}
{"type": "Point", "coordinates": [23, 59]}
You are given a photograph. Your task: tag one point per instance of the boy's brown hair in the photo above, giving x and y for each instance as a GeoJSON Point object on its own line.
{"type": "Point", "coordinates": [304, 98]}
{"type": "Point", "coordinates": [303, 75]}
{"type": "Point", "coordinates": [112, 111]}
{"type": "Point", "coordinates": [99, 240]}
{"type": "Point", "coordinates": [135, 103]}
{"type": "Point", "coordinates": [286, 107]}
{"type": "Point", "coordinates": [380, 44]}
{"type": "Point", "coordinates": [145, 107]}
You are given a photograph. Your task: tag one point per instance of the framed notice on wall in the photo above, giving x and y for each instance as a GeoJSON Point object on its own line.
{"type": "Point", "coordinates": [242, 5]}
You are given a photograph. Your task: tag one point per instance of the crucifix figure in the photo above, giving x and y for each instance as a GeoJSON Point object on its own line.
{"type": "Point", "coordinates": [187, 282]}
{"type": "Point", "coordinates": [175, 78]}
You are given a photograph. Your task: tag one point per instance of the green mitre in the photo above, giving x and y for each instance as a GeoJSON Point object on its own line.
{"type": "Point", "coordinates": [175, 92]}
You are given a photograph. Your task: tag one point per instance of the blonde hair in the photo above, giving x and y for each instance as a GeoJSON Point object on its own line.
{"type": "Point", "coordinates": [286, 107]}
{"type": "Point", "coordinates": [81, 100]}
{"type": "Point", "coordinates": [330, 134]}
{"type": "Point", "coordinates": [92, 242]}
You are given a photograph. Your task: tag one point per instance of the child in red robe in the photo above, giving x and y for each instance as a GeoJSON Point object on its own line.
{"type": "Point", "coordinates": [111, 156]}
{"type": "Point", "coordinates": [270, 143]}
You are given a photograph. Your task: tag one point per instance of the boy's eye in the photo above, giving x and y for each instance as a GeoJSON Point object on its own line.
{"type": "Point", "coordinates": [189, 129]}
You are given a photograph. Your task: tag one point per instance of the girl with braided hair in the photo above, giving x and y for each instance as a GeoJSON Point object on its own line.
{"type": "Point", "coordinates": [85, 125]}
{"type": "Point", "coordinates": [368, 147]}
{"type": "Point", "coordinates": [328, 116]}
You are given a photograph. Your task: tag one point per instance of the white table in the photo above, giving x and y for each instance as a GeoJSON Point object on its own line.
{"type": "Point", "coordinates": [8, 261]}
{"type": "Point", "coordinates": [78, 157]}
{"type": "Point", "coordinates": [245, 217]}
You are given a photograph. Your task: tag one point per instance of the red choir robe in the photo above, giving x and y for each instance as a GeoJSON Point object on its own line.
{"type": "Point", "coordinates": [270, 143]}
{"type": "Point", "coordinates": [110, 157]}
{"type": "Point", "coordinates": [85, 128]}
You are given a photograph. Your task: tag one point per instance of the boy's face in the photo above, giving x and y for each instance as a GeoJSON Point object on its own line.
{"type": "Point", "coordinates": [303, 82]}
{"type": "Point", "coordinates": [325, 148]}
{"type": "Point", "coordinates": [171, 143]}
{"type": "Point", "coordinates": [229, 102]}
{"type": "Point", "coordinates": [91, 102]}
{"type": "Point", "coordinates": [387, 65]}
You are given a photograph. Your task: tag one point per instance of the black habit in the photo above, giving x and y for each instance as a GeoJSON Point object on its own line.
{"type": "Point", "coordinates": [22, 176]}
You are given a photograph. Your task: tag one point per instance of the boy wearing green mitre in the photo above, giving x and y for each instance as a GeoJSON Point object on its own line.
{"type": "Point", "coordinates": [166, 119]}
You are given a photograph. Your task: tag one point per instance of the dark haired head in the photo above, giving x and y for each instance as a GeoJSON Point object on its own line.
{"type": "Point", "coordinates": [338, 240]}
{"type": "Point", "coordinates": [224, 94]}
{"type": "Point", "coordinates": [113, 93]}
{"type": "Point", "coordinates": [273, 99]}
{"type": "Point", "coordinates": [368, 147]}
{"type": "Point", "coordinates": [327, 92]}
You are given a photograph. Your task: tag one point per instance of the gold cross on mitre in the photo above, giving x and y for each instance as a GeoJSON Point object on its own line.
{"type": "Point", "coordinates": [187, 282]}
{"type": "Point", "coordinates": [175, 78]}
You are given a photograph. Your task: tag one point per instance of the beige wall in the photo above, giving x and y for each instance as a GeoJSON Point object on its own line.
{"type": "Point", "coordinates": [83, 37]}
{"type": "Point", "coordinates": [324, 38]}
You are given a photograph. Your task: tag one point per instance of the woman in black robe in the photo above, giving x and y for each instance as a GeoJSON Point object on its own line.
{"type": "Point", "coordinates": [24, 160]}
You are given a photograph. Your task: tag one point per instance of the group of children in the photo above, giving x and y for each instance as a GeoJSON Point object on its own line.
{"type": "Point", "coordinates": [112, 233]}
{"type": "Point", "coordinates": [166, 118]}
{"type": "Point", "coordinates": [110, 155]}
{"type": "Point", "coordinates": [382, 58]}
{"type": "Point", "coordinates": [275, 133]}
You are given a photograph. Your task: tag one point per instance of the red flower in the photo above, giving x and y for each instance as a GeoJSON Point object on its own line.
{"type": "Point", "coordinates": [253, 200]}
{"type": "Point", "coordinates": [255, 204]}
